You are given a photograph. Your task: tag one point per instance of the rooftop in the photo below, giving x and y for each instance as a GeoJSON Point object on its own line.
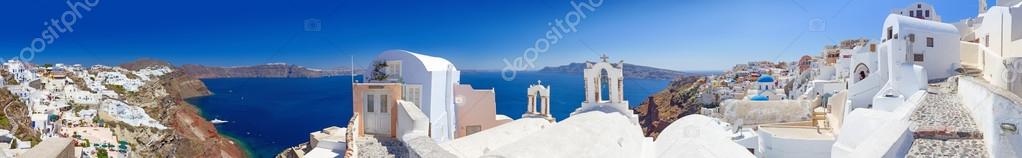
{"type": "Point", "coordinates": [765, 78]}
{"type": "Point", "coordinates": [430, 62]}
{"type": "Point", "coordinates": [52, 147]}
{"type": "Point", "coordinates": [806, 132]}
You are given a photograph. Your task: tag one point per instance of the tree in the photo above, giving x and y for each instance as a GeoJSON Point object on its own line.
{"type": "Point", "coordinates": [87, 143]}
{"type": "Point", "coordinates": [379, 70]}
{"type": "Point", "coordinates": [101, 153]}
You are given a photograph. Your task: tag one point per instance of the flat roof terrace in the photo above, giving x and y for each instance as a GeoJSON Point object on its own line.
{"type": "Point", "coordinates": [798, 130]}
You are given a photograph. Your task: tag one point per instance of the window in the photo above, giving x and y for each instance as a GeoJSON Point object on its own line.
{"type": "Point", "coordinates": [394, 68]}
{"type": "Point", "coordinates": [919, 13]}
{"type": "Point", "coordinates": [911, 14]}
{"type": "Point", "coordinates": [927, 13]}
{"type": "Point", "coordinates": [912, 38]}
{"type": "Point", "coordinates": [384, 100]}
{"type": "Point", "coordinates": [890, 31]}
{"type": "Point", "coordinates": [370, 103]}
{"type": "Point", "coordinates": [469, 130]}
{"type": "Point", "coordinates": [929, 42]}
{"type": "Point", "coordinates": [919, 6]}
{"type": "Point", "coordinates": [413, 93]}
{"type": "Point", "coordinates": [917, 57]}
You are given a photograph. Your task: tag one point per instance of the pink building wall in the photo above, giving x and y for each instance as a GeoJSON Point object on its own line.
{"type": "Point", "coordinates": [475, 107]}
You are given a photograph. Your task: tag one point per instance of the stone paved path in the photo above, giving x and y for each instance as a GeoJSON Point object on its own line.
{"type": "Point", "coordinates": [942, 127]}
{"type": "Point", "coordinates": [372, 147]}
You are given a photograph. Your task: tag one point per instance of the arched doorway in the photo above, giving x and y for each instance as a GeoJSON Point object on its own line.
{"type": "Point", "coordinates": [861, 72]}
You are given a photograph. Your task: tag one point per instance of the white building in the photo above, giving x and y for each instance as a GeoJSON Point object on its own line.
{"type": "Point", "coordinates": [765, 89]}
{"type": "Point", "coordinates": [22, 72]}
{"type": "Point", "coordinates": [881, 129]}
{"type": "Point", "coordinates": [933, 45]}
{"type": "Point", "coordinates": [433, 79]}
{"type": "Point", "coordinates": [330, 142]}
{"type": "Point", "coordinates": [118, 78]}
{"type": "Point", "coordinates": [131, 115]}
{"type": "Point", "coordinates": [919, 10]}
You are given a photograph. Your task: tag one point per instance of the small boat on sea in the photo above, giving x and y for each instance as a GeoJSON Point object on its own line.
{"type": "Point", "coordinates": [217, 121]}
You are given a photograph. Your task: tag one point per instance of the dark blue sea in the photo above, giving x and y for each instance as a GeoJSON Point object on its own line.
{"type": "Point", "coordinates": [268, 115]}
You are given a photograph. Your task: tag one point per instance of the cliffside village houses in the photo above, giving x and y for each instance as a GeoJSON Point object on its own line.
{"type": "Point", "coordinates": [65, 113]}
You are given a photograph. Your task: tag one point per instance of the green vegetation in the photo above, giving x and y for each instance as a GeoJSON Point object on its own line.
{"type": "Point", "coordinates": [11, 81]}
{"type": "Point", "coordinates": [47, 65]}
{"type": "Point", "coordinates": [117, 88]}
{"type": "Point", "coordinates": [75, 107]}
{"type": "Point", "coordinates": [5, 123]}
{"type": "Point", "coordinates": [102, 153]}
{"type": "Point", "coordinates": [130, 75]}
{"type": "Point", "coordinates": [79, 82]}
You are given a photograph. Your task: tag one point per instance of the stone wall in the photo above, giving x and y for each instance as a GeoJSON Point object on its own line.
{"type": "Point", "coordinates": [763, 112]}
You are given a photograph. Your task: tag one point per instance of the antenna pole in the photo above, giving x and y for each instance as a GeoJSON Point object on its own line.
{"type": "Point", "coordinates": [352, 69]}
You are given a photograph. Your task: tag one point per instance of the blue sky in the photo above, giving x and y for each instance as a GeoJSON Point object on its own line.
{"type": "Point", "coordinates": [474, 34]}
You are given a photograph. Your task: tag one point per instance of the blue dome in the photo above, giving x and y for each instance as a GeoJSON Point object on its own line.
{"type": "Point", "coordinates": [766, 78]}
{"type": "Point", "coordinates": [759, 98]}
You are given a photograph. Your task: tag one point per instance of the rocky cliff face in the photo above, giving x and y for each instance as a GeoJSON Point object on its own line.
{"type": "Point", "coordinates": [630, 71]}
{"type": "Point", "coordinates": [189, 135]}
{"type": "Point", "coordinates": [13, 117]}
{"type": "Point", "coordinates": [663, 108]}
{"type": "Point", "coordinates": [260, 71]}
{"type": "Point", "coordinates": [144, 63]}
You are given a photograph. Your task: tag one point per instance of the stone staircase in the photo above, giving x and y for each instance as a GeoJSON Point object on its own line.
{"type": "Point", "coordinates": [942, 127]}
{"type": "Point", "coordinates": [383, 147]}
{"type": "Point", "coordinates": [970, 70]}
{"type": "Point", "coordinates": [819, 118]}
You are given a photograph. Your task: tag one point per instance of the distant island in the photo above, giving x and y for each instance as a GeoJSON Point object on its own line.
{"type": "Point", "coordinates": [272, 70]}
{"type": "Point", "coordinates": [283, 70]}
{"type": "Point", "coordinates": [631, 71]}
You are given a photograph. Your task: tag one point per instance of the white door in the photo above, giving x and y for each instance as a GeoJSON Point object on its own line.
{"type": "Point", "coordinates": [377, 113]}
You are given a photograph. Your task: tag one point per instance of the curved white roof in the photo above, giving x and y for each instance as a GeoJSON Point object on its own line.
{"type": "Point", "coordinates": [698, 136]}
{"type": "Point", "coordinates": [909, 22]}
{"type": "Point", "coordinates": [430, 62]}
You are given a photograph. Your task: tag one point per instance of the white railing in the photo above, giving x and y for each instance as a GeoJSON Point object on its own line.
{"type": "Point", "coordinates": [836, 107]}
{"type": "Point", "coordinates": [996, 112]}
{"type": "Point", "coordinates": [411, 122]}
{"type": "Point", "coordinates": [993, 67]}
{"type": "Point", "coordinates": [413, 130]}
{"type": "Point", "coordinates": [861, 93]}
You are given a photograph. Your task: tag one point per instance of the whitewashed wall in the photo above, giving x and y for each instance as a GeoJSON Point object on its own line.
{"type": "Point", "coordinates": [991, 108]}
